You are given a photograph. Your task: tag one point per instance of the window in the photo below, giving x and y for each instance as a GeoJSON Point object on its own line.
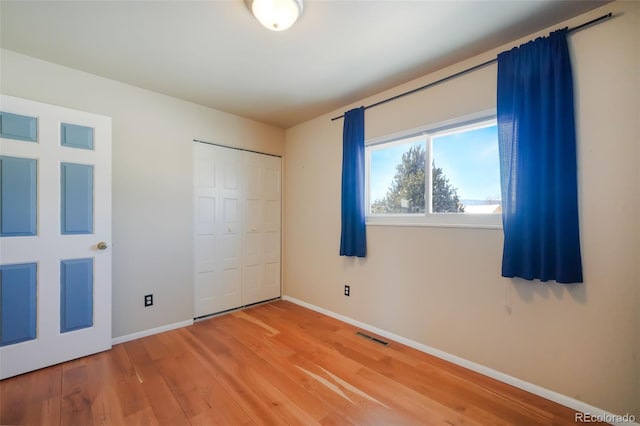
{"type": "Point", "coordinates": [442, 175]}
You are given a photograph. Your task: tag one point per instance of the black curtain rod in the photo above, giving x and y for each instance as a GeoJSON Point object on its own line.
{"type": "Point", "coordinates": [468, 70]}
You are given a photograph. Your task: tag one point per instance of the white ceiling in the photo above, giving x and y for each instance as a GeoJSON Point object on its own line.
{"type": "Point", "coordinates": [215, 53]}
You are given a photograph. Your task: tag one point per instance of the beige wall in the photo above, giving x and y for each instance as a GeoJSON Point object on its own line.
{"type": "Point", "coordinates": [442, 286]}
{"type": "Point", "coordinates": [152, 179]}
{"type": "Point", "coordinates": [437, 286]}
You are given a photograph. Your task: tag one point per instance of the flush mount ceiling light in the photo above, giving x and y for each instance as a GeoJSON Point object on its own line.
{"type": "Point", "coordinates": [277, 15]}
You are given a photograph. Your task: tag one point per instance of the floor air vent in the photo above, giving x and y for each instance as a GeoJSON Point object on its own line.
{"type": "Point", "coordinates": [373, 339]}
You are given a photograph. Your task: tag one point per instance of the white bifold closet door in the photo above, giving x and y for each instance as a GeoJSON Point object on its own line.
{"type": "Point", "coordinates": [237, 208]}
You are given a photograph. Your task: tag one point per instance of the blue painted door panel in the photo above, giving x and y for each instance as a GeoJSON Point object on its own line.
{"type": "Point", "coordinates": [76, 294]}
{"type": "Point", "coordinates": [18, 303]}
{"type": "Point", "coordinates": [19, 127]}
{"type": "Point", "coordinates": [75, 136]}
{"type": "Point", "coordinates": [77, 199]}
{"type": "Point", "coordinates": [18, 196]}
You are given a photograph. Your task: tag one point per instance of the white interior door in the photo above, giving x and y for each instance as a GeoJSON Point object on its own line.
{"type": "Point", "coordinates": [218, 225]}
{"type": "Point", "coordinates": [237, 202]}
{"type": "Point", "coordinates": [55, 263]}
{"type": "Point", "coordinates": [261, 259]}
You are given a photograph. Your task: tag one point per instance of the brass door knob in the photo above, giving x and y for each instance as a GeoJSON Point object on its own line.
{"type": "Point", "coordinates": [102, 245]}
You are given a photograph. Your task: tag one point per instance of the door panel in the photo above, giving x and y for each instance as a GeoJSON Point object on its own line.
{"type": "Point", "coordinates": [76, 188]}
{"type": "Point", "coordinates": [18, 317]}
{"type": "Point", "coordinates": [272, 277]}
{"type": "Point", "coordinates": [75, 136]}
{"type": "Point", "coordinates": [76, 294]}
{"type": "Point", "coordinates": [231, 213]}
{"type": "Point", "coordinates": [272, 245]}
{"type": "Point", "coordinates": [18, 127]}
{"type": "Point", "coordinates": [60, 307]}
{"type": "Point", "coordinates": [18, 208]}
{"type": "Point", "coordinates": [231, 251]}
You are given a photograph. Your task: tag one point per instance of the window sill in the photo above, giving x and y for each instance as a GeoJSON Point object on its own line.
{"type": "Point", "coordinates": [438, 221]}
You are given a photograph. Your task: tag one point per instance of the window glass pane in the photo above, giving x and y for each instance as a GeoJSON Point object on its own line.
{"type": "Point", "coordinates": [466, 171]}
{"type": "Point", "coordinates": [397, 177]}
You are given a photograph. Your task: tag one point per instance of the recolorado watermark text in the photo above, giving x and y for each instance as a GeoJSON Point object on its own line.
{"type": "Point", "coordinates": [604, 418]}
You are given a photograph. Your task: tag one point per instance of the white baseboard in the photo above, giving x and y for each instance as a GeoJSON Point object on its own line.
{"type": "Point", "coordinates": [149, 332]}
{"type": "Point", "coordinates": [494, 374]}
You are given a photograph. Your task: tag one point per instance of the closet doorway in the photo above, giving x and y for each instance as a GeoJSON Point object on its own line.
{"type": "Point", "coordinates": [237, 228]}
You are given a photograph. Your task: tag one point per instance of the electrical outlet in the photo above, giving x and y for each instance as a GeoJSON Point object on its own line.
{"type": "Point", "coordinates": [347, 290]}
{"type": "Point", "coordinates": [148, 300]}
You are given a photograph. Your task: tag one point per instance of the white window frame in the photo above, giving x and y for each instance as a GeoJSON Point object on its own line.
{"type": "Point", "coordinates": [490, 221]}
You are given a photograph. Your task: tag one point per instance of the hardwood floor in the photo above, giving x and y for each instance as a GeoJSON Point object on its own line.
{"type": "Point", "coordinates": [272, 364]}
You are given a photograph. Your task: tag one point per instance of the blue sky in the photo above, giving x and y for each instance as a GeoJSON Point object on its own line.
{"type": "Point", "coordinates": [468, 159]}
